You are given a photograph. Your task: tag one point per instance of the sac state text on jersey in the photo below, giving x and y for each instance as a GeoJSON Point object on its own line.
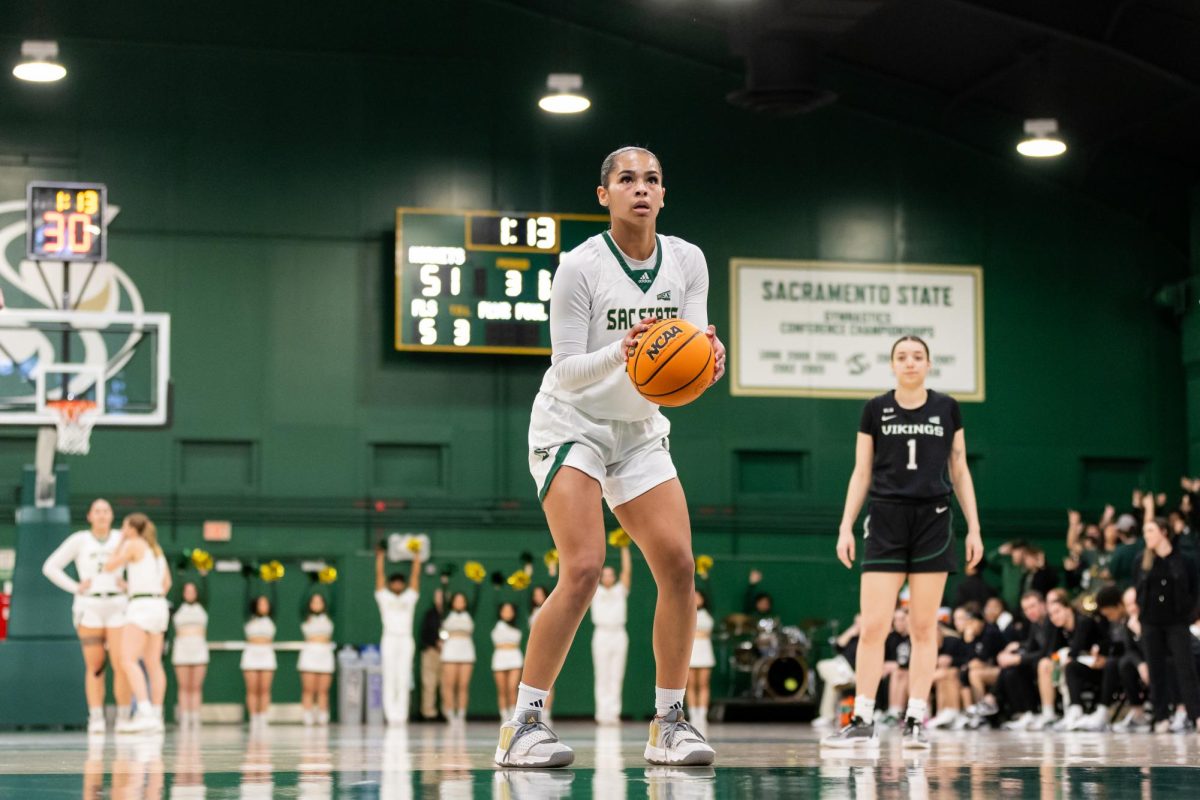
{"type": "Point", "coordinates": [622, 319]}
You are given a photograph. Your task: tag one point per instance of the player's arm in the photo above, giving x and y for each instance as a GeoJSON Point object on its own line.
{"type": "Point", "coordinates": [695, 307]}
{"type": "Point", "coordinates": [55, 566]}
{"type": "Point", "coordinates": [122, 556]}
{"type": "Point", "coordinates": [856, 495]}
{"type": "Point", "coordinates": [570, 321]}
{"type": "Point", "coordinates": [964, 490]}
{"type": "Point", "coordinates": [380, 579]}
{"type": "Point", "coordinates": [626, 569]}
{"type": "Point", "coordinates": [414, 575]}
{"type": "Point", "coordinates": [166, 571]}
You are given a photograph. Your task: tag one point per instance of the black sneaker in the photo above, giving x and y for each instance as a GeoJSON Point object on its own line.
{"type": "Point", "coordinates": [857, 734]}
{"type": "Point", "coordinates": [914, 735]}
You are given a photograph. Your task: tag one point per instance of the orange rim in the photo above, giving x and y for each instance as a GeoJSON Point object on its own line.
{"type": "Point", "coordinates": [71, 409]}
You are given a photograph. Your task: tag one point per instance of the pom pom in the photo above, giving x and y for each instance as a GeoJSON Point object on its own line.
{"type": "Point", "coordinates": [474, 571]}
{"type": "Point", "coordinates": [617, 537]}
{"type": "Point", "coordinates": [327, 575]}
{"type": "Point", "coordinates": [703, 565]}
{"type": "Point", "coordinates": [519, 580]}
{"type": "Point", "coordinates": [551, 557]}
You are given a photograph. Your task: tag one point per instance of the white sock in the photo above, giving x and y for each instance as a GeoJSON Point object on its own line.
{"type": "Point", "coordinates": [667, 699]}
{"type": "Point", "coordinates": [123, 712]}
{"type": "Point", "coordinates": [864, 708]}
{"type": "Point", "coordinates": [1047, 711]}
{"type": "Point", "coordinates": [95, 712]}
{"type": "Point", "coordinates": [916, 710]}
{"type": "Point", "coordinates": [529, 699]}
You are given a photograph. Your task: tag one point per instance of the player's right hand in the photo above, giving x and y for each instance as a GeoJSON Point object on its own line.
{"type": "Point", "coordinates": [84, 585]}
{"type": "Point", "coordinates": [635, 333]}
{"type": "Point", "coordinates": [845, 549]}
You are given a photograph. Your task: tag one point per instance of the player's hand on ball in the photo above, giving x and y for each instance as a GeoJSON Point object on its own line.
{"type": "Point", "coordinates": [718, 351]}
{"type": "Point", "coordinates": [845, 548]}
{"type": "Point", "coordinates": [974, 548]}
{"type": "Point", "coordinates": [635, 333]}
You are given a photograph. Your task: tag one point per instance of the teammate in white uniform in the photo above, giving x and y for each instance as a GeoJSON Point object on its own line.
{"type": "Point", "coordinates": [506, 658]}
{"type": "Point", "coordinates": [610, 640]}
{"type": "Point", "coordinates": [189, 652]}
{"type": "Point", "coordinates": [703, 660]}
{"type": "Point", "coordinates": [316, 662]}
{"type": "Point", "coordinates": [98, 611]}
{"type": "Point", "coordinates": [258, 663]}
{"type": "Point", "coordinates": [148, 580]}
{"type": "Point", "coordinates": [397, 601]}
{"type": "Point", "coordinates": [593, 438]}
{"type": "Point", "coordinates": [458, 655]}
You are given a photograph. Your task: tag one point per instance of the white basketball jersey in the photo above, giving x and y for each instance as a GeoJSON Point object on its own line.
{"type": "Point", "coordinates": [615, 292]}
{"type": "Point", "coordinates": [90, 555]}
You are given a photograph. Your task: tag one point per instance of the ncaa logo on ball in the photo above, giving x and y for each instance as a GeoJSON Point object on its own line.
{"type": "Point", "coordinates": [652, 352]}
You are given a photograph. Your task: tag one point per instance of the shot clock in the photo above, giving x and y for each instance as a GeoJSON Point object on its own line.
{"type": "Point", "coordinates": [479, 281]}
{"type": "Point", "coordinates": [65, 222]}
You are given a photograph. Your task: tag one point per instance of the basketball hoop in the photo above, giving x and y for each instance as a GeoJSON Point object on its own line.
{"type": "Point", "coordinates": [74, 421]}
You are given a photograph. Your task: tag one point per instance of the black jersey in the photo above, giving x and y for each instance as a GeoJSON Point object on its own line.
{"type": "Point", "coordinates": [912, 446]}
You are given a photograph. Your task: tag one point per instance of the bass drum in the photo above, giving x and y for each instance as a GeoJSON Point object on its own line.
{"type": "Point", "coordinates": [784, 677]}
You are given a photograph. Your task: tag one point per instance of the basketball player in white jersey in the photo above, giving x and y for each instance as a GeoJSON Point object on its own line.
{"type": "Point", "coordinates": [98, 610]}
{"type": "Point", "coordinates": [592, 438]}
{"type": "Point", "coordinates": [610, 640]}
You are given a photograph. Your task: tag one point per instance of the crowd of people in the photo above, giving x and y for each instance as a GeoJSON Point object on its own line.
{"type": "Point", "coordinates": [1109, 640]}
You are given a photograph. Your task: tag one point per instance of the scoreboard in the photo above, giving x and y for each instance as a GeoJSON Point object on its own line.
{"type": "Point", "coordinates": [479, 281]}
{"type": "Point", "coordinates": [65, 222]}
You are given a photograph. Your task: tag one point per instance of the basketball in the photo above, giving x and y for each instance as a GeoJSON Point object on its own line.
{"type": "Point", "coordinates": [673, 363]}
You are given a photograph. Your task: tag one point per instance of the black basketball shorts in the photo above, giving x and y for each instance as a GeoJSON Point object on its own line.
{"type": "Point", "coordinates": [909, 537]}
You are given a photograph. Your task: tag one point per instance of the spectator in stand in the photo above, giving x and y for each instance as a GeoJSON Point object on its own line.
{"type": "Point", "coordinates": [972, 588]}
{"type": "Point", "coordinates": [1049, 670]}
{"type": "Point", "coordinates": [1007, 563]}
{"type": "Point", "coordinates": [431, 652]}
{"type": "Point", "coordinates": [1039, 576]}
{"type": "Point", "coordinates": [757, 603]}
{"type": "Point", "coordinates": [1167, 593]}
{"type": "Point", "coordinates": [1084, 666]}
{"type": "Point", "coordinates": [1128, 551]}
{"type": "Point", "coordinates": [974, 659]}
{"type": "Point", "coordinates": [837, 675]}
{"type": "Point", "coordinates": [995, 612]}
{"type": "Point", "coordinates": [1016, 685]}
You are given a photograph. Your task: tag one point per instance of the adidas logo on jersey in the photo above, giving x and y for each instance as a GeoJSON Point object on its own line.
{"type": "Point", "coordinates": [664, 296]}
{"type": "Point", "coordinates": [645, 278]}
{"type": "Point", "coordinates": [659, 343]}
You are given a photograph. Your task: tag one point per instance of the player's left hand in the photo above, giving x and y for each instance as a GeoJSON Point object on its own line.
{"type": "Point", "coordinates": [974, 548]}
{"type": "Point", "coordinates": [718, 350]}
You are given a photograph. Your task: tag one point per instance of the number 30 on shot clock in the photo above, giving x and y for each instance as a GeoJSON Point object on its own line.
{"type": "Point", "coordinates": [65, 222]}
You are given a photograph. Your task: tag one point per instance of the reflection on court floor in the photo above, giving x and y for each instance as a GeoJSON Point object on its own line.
{"type": "Point", "coordinates": [763, 761]}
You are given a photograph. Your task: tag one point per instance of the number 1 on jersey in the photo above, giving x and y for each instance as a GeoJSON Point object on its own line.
{"type": "Point", "coordinates": [912, 453]}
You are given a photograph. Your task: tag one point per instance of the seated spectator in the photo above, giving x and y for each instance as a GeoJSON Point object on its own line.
{"type": "Point", "coordinates": [995, 612]}
{"type": "Point", "coordinates": [1039, 576]}
{"type": "Point", "coordinates": [1130, 669]}
{"type": "Point", "coordinates": [1016, 685]}
{"type": "Point", "coordinates": [837, 674]}
{"type": "Point", "coordinates": [973, 588]}
{"type": "Point", "coordinates": [1084, 666]}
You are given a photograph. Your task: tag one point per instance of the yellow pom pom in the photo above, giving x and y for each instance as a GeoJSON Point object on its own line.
{"type": "Point", "coordinates": [617, 537]}
{"type": "Point", "coordinates": [202, 560]}
{"type": "Point", "coordinates": [413, 545]}
{"type": "Point", "coordinates": [519, 580]}
{"type": "Point", "coordinates": [551, 557]}
{"type": "Point", "coordinates": [327, 575]}
{"type": "Point", "coordinates": [703, 565]}
{"type": "Point", "coordinates": [475, 571]}
{"type": "Point", "coordinates": [271, 572]}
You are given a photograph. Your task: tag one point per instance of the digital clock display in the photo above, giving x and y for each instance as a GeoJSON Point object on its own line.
{"type": "Point", "coordinates": [479, 281]}
{"type": "Point", "coordinates": [65, 222]}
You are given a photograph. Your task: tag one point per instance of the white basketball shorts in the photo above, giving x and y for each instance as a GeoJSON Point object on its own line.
{"type": "Point", "coordinates": [628, 459]}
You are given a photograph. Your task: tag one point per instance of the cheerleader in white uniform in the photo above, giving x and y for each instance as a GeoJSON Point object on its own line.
{"type": "Point", "coordinates": [146, 617]}
{"type": "Point", "coordinates": [703, 660]}
{"type": "Point", "coordinates": [316, 663]}
{"type": "Point", "coordinates": [258, 660]}
{"type": "Point", "coordinates": [610, 640]}
{"type": "Point", "coordinates": [506, 658]}
{"type": "Point", "coordinates": [189, 653]}
{"type": "Point", "coordinates": [458, 655]}
{"type": "Point", "coordinates": [98, 610]}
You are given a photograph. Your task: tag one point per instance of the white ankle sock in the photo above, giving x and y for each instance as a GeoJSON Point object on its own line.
{"type": "Point", "coordinates": [916, 710]}
{"type": "Point", "coordinates": [529, 699]}
{"type": "Point", "coordinates": [95, 712]}
{"type": "Point", "coordinates": [667, 699]}
{"type": "Point", "coordinates": [864, 708]}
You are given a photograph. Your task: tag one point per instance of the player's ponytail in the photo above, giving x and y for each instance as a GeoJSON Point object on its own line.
{"type": "Point", "coordinates": [145, 529]}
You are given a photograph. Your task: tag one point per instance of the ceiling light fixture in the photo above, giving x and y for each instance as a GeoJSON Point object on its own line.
{"type": "Point", "coordinates": [39, 62]}
{"type": "Point", "coordinates": [565, 96]}
{"type": "Point", "coordinates": [1041, 139]}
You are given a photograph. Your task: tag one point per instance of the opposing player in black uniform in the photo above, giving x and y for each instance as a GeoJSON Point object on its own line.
{"type": "Point", "coordinates": [910, 456]}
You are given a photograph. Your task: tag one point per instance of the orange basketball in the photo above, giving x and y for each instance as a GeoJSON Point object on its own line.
{"type": "Point", "coordinates": [673, 363]}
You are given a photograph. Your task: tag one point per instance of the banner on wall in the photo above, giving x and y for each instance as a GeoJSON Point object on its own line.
{"type": "Point", "coordinates": [826, 328]}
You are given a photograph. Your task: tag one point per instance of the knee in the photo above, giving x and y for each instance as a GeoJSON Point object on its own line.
{"type": "Point", "coordinates": [874, 631]}
{"type": "Point", "coordinates": [677, 570]}
{"type": "Point", "coordinates": [924, 634]}
{"type": "Point", "coordinates": [577, 585]}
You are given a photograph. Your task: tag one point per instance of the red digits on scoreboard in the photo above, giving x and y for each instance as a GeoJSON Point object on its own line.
{"type": "Point", "coordinates": [75, 228]}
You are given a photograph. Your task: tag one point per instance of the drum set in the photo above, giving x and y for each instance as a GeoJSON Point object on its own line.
{"type": "Point", "coordinates": [768, 661]}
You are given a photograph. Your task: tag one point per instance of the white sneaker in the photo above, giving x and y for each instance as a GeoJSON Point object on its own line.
{"type": "Point", "coordinates": [943, 719]}
{"type": "Point", "coordinates": [1021, 722]}
{"type": "Point", "coordinates": [1072, 718]}
{"type": "Point", "coordinates": [529, 742]}
{"type": "Point", "coordinates": [96, 724]}
{"type": "Point", "coordinates": [140, 722]}
{"type": "Point", "coordinates": [1095, 721]}
{"type": "Point", "coordinates": [1135, 721]}
{"type": "Point", "coordinates": [823, 723]}
{"type": "Point", "coordinates": [675, 743]}
{"type": "Point", "coordinates": [1042, 722]}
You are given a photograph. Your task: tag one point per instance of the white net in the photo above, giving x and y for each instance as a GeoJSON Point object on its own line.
{"type": "Point", "coordinates": [74, 422]}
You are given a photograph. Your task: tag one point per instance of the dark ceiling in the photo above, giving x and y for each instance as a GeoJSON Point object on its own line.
{"type": "Point", "coordinates": [1122, 77]}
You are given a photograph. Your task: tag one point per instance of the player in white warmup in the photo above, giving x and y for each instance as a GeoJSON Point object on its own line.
{"type": "Point", "coordinates": [593, 438]}
{"type": "Point", "coordinates": [98, 610]}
